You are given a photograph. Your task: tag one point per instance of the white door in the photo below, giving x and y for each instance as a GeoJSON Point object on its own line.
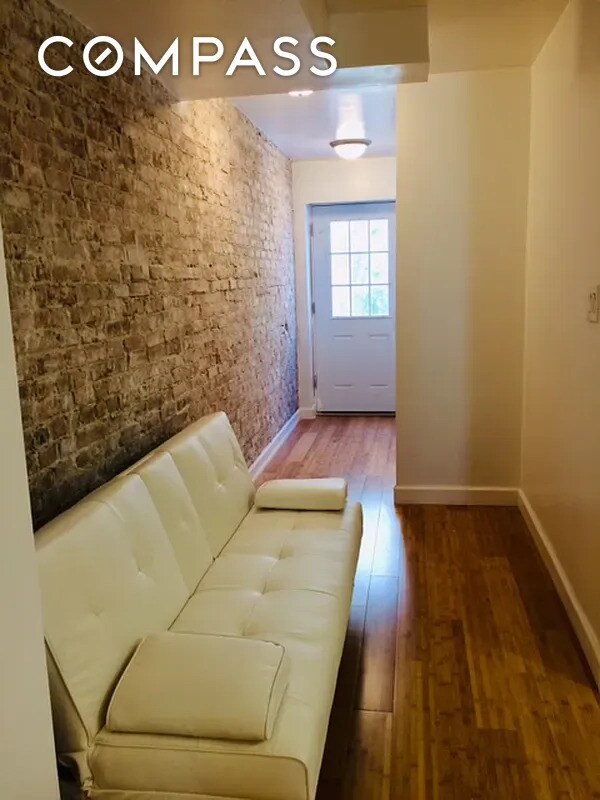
{"type": "Point", "coordinates": [353, 263]}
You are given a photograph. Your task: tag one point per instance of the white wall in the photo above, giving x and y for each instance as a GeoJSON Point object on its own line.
{"type": "Point", "coordinates": [331, 181]}
{"type": "Point", "coordinates": [27, 770]}
{"type": "Point", "coordinates": [463, 144]}
{"type": "Point", "coordinates": [561, 424]}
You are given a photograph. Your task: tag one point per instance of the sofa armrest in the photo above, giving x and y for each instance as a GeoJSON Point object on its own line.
{"type": "Point", "coordinates": [210, 687]}
{"type": "Point", "coordinates": [303, 494]}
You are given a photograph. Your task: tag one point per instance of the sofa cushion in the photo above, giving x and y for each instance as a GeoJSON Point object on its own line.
{"type": "Point", "coordinates": [215, 687]}
{"type": "Point", "coordinates": [148, 766]}
{"type": "Point", "coordinates": [210, 461]}
{"type": "Point", "coordinates": [311, 494]}
{"type": "Point", "coordinates": [179, 516]}
{"type": "Point", "coordinates": [108, 577]}
{"type": "Point", "coordinates": [278, 575]}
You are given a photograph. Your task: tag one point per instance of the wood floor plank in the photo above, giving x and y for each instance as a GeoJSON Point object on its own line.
{"type": "Point", "coordinates": [302, 446]}
{"type": "Point", "coordinates": [389, 542]}
{"type": "Point", "coordinates": [341, 724]}
{"type": "Point", "coordinates": [368, 773]}
{"type": "Point", "coordinates": [376, 690]}
{"type": "Point", "coordinates": [461, 678]}
{"type": "Point", "coordinates": [371, 503]}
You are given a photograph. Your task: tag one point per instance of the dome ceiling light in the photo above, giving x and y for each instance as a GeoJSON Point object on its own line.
{"type": "Point", "coordinates": [350, 148]}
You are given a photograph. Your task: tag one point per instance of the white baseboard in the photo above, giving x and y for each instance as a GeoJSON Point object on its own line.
{"type": "Point", "coordinates": [308, 413]}
{"type": "Point", "coordinates": [271, 449]}
{"type": "Point", "coordinates": [456, 495]}
{"type": "Point", "coordinates": [583, 628]}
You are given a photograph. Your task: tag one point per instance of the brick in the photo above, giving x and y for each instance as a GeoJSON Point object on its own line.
{"type": "Point", "coordinates": [140, 264]}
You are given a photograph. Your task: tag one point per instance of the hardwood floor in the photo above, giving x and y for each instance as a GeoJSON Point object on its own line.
{"type": "Point", "coordinates": [461, 677]}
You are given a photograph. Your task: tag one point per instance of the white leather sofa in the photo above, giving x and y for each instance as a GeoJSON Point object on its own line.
{"type": "Point", "coordinates": [241, 612]}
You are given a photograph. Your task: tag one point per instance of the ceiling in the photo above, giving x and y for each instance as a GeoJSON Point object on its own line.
{"type": "Point", "coordinates": [302, 127]}
{"type": "Point", "coordinates": [463, 35]}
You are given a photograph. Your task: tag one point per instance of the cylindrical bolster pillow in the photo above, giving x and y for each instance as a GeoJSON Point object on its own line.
{"type": "Point", "coordinates": [214, 687]}
{"type": "Point", "coordinates": [310, 494]}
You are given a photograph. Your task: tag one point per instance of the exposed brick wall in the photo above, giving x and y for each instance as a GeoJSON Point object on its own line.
{"type": "Point", "coordinates": [150, 262]}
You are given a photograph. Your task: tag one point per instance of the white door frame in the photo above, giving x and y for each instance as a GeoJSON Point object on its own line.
{"type": "Point", "coordinates": [330, 182]}
{"type": "Point", "coordinates": [312, 289]}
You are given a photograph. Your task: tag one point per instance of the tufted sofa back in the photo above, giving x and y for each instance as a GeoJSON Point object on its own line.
{"type": "Point", "coordinates": [209, 460]}
{"type": "Point", "coordinates": [123, 562]}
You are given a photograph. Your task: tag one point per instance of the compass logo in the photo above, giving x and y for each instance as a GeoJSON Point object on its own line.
{"type": "Point", "coordinates": [104, 56]}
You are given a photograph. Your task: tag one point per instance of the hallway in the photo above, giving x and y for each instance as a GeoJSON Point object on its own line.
{"type": "Point", "coordinates": [461, 677]}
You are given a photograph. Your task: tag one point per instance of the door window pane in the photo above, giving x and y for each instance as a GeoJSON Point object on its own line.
{"type": "Point", "coordinates": [340, 269]}
{"type": "Point", "coordinates": [359, 236]}
{"type": "Point", "coordinates": [360, 268]}
{"type": "Point", "coordinates": [340, 301]}
{"type": "Point", "coordinates": [339, 235]}
{"type": "Point", "coordinates": [379, 235]}
{"type": "Point", "coordinates": [380, 301]}
{"type": "Point", "coordinates": [360, 301]}
{"type": "Point", "coordinates": [379, 268]}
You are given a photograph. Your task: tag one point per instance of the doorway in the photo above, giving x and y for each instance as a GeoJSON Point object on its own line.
{"type": "Point", "coordinates": [353, 282]}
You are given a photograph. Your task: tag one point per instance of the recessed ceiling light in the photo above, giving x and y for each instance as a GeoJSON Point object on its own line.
{"type": "Point", "coordinates": [301, 93]}
{"type": "Point", "coordinates": [350, 148]}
